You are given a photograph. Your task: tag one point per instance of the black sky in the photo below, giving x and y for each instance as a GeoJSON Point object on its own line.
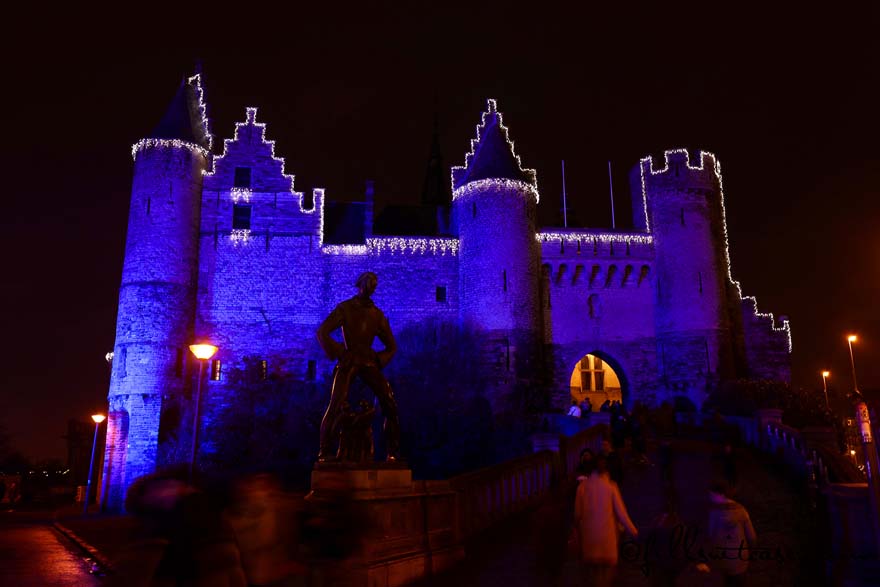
{"type": "Point", "coordinates": [787, 99]}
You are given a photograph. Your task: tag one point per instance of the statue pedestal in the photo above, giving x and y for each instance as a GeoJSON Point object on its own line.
{"type": "Point", "coordinates": [411, 529]}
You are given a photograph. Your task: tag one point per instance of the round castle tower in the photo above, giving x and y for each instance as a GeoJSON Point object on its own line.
{"type": "Point", "coordinates": [681, 205]}
{"type": "Point", "coordinates": [157, 298]}
{"type": "Point", "coordinates": [494, 208]}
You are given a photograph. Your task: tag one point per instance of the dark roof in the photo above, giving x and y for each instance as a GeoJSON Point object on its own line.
{"type": "Point", "coordinates": [344, 223]}
{"type": "Point", "coordinates": [402, 220]}
{"type": "Point", "coordinates": [493, 156]}
{"type": "Point", "coordinates": [183, 119]}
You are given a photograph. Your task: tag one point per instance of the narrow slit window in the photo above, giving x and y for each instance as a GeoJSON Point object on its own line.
{"type": "Point", "coordinates": [241, 217]}
{"type": "Point", "coordinates": [441, 293]}
{"type": "Point", "coordinates": [311, 370]}
{"type": "Point", "coordinates": [504, 276]}
{"type": "Point", "coordinates": [216, 370]}
{"type": "Point", "coordinates": [264, 370]}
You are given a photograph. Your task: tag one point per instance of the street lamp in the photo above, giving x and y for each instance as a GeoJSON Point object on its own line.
{"type": "Point", "coordinates": [869, 449]}
{"type": "Point", "coordinates": [202, 352]}
{"type": "Point", "coordinates": [851, 339]}
{"type": "Point", "coordinates": [825, 375]}
{"type": "Point", "coordinates": [97, 419]}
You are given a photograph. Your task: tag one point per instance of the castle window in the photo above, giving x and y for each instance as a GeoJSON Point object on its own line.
{"type": "Point", "coordinates": [242, 177]}
{"type": "Point", "coordinates": [264, 370]}
{"type": "Point", "coordinates": [504, 275]}
{"type": "Point", "coordinates": [475, 210]}
{"type": "Point", "coordinates": [241, 217]}
{"type": "Point", "coordinates": [178, 364]}
{"type": "Point", "coordinates": [311, 370]}
{"type": "Point", "coordinates": [593, 305]}
{"type": "Point", "coordinates": [441, 293]}
{"type": "Point", "coordinates": [216, 370]}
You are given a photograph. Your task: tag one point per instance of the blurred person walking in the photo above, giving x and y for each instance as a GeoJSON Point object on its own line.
{"type": "Point", "coordinates": [599, 508]}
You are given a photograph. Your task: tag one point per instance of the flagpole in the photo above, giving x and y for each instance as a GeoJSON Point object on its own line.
{"type": "Point", "coordinates": [611, 192]}
{"type": "Point", "coordinates": [564, 202]}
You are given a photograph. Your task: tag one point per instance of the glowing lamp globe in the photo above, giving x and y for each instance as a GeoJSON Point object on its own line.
{"type": "Point", "coordinates": [852, 338]}
{"type": "Point", "coordinates": [203, 352]}
{"type": "Point", "coordinates": [98, 418]}
{"type": "Point", "coordinates": [826, 373]}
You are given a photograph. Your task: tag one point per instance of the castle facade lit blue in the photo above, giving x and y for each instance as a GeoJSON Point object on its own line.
{"type": "Point", "coordinates": [222, 248]}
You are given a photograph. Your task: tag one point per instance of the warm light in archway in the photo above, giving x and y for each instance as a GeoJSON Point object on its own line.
{"type": "Point", "coordinates": [594, 379]}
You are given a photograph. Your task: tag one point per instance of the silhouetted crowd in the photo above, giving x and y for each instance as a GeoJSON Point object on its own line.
{"type": "Point", "coordinates": [247, 532]}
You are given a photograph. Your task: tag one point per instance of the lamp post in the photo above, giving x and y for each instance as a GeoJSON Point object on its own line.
{"type": "Point", "coordinates": [97, 419]}
{"type": "Point", "coordinates": [825, 375]}
{"type": "Point", "coordinates": [202, 352]}
{"type": "Point", "coordinates": [869, 449]}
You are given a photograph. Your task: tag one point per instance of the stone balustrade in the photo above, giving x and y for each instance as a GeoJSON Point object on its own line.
{"type": "Point", "coordinates": [836, 487]}
{"type": "Point", "coordinates": [491, 494]}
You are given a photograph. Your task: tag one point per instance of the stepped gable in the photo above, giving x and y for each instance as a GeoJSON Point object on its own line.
{"type": "Point", "coordinates": [492, 155]}
{"type": "Point", "coordinates": [184, 118]}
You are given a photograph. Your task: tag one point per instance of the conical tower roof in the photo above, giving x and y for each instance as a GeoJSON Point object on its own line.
{"type": "Point", "coordinates": [185, 118]}
{"type": "Point", "coordinates": [492, 155]}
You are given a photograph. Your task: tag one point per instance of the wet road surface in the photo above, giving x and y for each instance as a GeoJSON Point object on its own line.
{"type": "Point", "coordinates": [33, 553]}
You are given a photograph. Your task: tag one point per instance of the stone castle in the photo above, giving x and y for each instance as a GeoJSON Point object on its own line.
{"type": "Point", "coordinates": [222, 248]}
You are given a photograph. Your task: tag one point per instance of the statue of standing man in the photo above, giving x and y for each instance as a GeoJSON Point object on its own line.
{"type": "Point", "coordinates": [361, 321]}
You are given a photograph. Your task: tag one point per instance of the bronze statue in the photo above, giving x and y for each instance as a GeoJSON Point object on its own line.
{"type": "Point", "coordinates": [361, 321]}
{"type": "Point", "coordinates": [356, 434]}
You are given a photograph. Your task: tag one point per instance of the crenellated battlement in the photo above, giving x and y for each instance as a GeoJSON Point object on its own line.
{"type": "Point", "coordinates": [678, 172]}
{"type": "Point", "coordinates": [780, 326]}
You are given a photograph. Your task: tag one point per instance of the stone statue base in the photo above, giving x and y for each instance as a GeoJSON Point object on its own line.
{"type": "Point", "coordinates": [411, 526]}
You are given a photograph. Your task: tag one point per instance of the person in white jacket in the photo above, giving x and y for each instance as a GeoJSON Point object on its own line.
{"type": "Point", "coordinates": [599, 508]}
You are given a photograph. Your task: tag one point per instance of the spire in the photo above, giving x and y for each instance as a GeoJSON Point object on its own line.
{"type": "Point", "coordinates": [185, 119]}
{"type": "Point", "coordinates": [492, 155]}
{"type": "Point", "coordinates": [435, 191]}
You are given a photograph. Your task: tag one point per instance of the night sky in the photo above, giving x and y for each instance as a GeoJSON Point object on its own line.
{"type": "Point", "coordinates": [787, 100]}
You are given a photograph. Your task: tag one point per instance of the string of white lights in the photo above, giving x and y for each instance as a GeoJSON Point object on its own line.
{"type": "Point", "coordinates": [166, 143]}
{"type": "Point", "coordinates": [196, 81]}
{"type": "Point", "coordinates": [241, 194]}
{"type": "Point", "coordinates": [397, 245]}
{"type": "Point", "coordinates": [589, 237]}
{"type": "Point", "coordinates": [786, 325]}
{"type": "Point", "coordinates": [483, 185]}
{"type": "Point", "coordinates": [530, 174]}
{"type": "Point", "coordinates": [240, 235]}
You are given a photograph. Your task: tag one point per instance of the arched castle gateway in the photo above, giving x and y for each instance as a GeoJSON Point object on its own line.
{"type": "Point", "coordinates": [222, 247]}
